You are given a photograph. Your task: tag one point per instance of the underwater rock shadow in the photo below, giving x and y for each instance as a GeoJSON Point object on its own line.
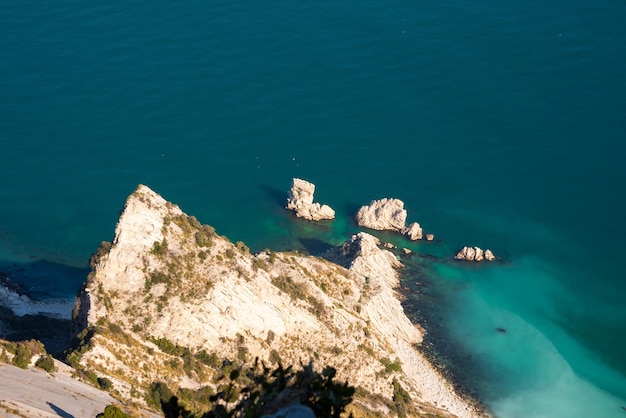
{"type": "Point", "coordinates": [44, 279]}
{"type": "Point", "coordinates": [315, 246]}
{"type": "Point", "coordinates": [278, 196]}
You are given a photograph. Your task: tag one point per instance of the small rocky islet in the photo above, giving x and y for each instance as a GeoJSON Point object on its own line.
{"type": "Point", "coordinates": [387, 214]}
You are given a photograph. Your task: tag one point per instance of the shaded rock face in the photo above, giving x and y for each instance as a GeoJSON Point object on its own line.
{"type": "Point", "coordinates": [474, 254]}
{"type": "Point", "coordinates": [301, 202]}
{"type": "Point", "coordinates": [388, 215]}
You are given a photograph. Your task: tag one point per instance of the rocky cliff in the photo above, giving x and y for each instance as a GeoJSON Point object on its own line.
{"type": "Point", "coordinates": [170, 300]}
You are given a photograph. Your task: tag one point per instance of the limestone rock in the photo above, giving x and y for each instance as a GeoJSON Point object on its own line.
{"type": "Point", "coordinates": [388, 215]}
{"type": "Point", "coordinates": [384, 214]}
{"type": "Point", "coordinates": [430, 237]}
{"type": "Point", "coordinates": [301, 201]}
{"type": "Point", "coordinates": [165, 277]}
{"type": "Point", "coordinates": [474, 254]}
{"type": "Point", "coordinates": [413, 231]}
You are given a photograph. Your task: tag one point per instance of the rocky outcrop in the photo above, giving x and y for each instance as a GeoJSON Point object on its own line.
{"type": "Point", "coordinates": [413, 231]}
{"type": "Point", "coordinates": [301, 202]}
{"type": "Point", "coordinates": [474, 254]}
{"type": "Point", "coordinates": [388, 215]}
{"type": "Point", "coordinates": [167, 279]}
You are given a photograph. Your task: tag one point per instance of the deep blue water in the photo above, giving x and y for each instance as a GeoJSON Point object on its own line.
{"type": "Point", "coordinates": [499, 124]}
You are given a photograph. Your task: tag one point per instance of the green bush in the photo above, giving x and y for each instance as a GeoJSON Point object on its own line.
{"type": "Point", "coordinates": [23, 354]}
{"type": "Point", "coordinates": [105, 384]}
{"type": "Point", "coordinates": [112, 411]}
{"type": "Point", "coordinates": [47, 363]}
{"type": "Point", "coordinates": [242, 247]}
{"type": "Point", "coordinates": [159, 248]}
{"type": "Point", "coordinates": [390, 366]}
{"type": "Point", "coordinates": [287, 285]}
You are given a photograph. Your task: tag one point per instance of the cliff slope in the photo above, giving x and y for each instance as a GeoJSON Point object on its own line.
{"type": "Point", "coordinates": [170, 300]}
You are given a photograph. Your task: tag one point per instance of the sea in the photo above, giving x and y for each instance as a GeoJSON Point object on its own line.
{"type": "Point", "coordinates": [499, 124]}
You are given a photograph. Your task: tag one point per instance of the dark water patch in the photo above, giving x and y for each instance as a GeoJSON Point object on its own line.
{"type": "Point", "coordinates": [43, 279]}
{"type": "Point", "coordinates": [315, 246]}
{"type": "Point", "coordinates": [279, 197]}
{"type": "Point", "coordinates": [53, 333]}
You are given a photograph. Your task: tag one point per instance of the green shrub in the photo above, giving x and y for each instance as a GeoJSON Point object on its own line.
{"type": "Point", "coordinates": [287, 285]}
{"type": "Point", "coordinates": [102, 250]}
{"type": "Point", "coordinates": [112, 411]}
{"type": "Point", "coordinates": [159, 248]}
{"type": "Point", "coordinates": [47, 363]}
{"type": "Point", "coordinates": [204, 236]}
{"type": "Point", "coordinates": [158, 393]}
{"type": "Point", "coordinates": [242, 247]}
{"type": "Point", "coordinates": [105, 384]}
{"type": "Point", "coordinates": [22, 357]}
{"type": "Point", "coordinates": [390, 366]}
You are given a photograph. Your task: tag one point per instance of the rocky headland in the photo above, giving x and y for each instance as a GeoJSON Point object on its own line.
{"type": "Point", "coordinates": [300, 201]}
{"type": "Point", "coordinates": [170, 300]}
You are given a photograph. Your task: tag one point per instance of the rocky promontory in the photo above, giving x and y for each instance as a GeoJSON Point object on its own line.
{"type": "Point", "coordinates": [300, 201]}
{"type": "Point", "coordinates": [171, 301]}
{"type": "Point", "coordinates": [389, 215]}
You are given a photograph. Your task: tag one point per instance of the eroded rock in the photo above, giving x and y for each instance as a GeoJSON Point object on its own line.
{"type": "Point", "coordinates": [474, 254]}
{"type": "Point", "coordinates": [301, 202]}
{"type": "Point", "coordinates": [388, 215]}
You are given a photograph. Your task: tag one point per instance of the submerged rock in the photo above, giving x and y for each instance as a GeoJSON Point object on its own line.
{"type": "Point", "coordinates": [301, 202]}
{"type": "Point", "coordinates": [474, 254]}
{"type": "Point", "coordinates": [388, 215]}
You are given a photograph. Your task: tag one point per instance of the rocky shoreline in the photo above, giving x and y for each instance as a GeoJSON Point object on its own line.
{"type": "Point", "coordinates": [153, 233]}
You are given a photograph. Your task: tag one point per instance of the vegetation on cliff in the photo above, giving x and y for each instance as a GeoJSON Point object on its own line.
{"type": "Point", "coordinates": [171, 307]}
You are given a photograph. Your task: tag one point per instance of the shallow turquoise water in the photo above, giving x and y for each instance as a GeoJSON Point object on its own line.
{"type": "Point", "coordinates": [499, 125]}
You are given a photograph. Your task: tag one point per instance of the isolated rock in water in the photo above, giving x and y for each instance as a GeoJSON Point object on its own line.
{"type": "Point", "coordinates": [430, 237]}
{"type": "Point", "coordinates": [474, 254]}
{"type": "Point", "coordinates": [388, 215]}
{"type": "Point", "coordinates": [413, 231]}
{"type": "Point", "coordinates": [301, 201]}
{"type": "Point", "coordinates": [383, 214]}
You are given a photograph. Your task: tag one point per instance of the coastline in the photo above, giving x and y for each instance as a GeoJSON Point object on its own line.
{"type": "Point", "coordinates": [143, 222]}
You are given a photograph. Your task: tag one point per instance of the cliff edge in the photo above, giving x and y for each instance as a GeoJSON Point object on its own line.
{"type": "Point", "coordinates": [170, 300]}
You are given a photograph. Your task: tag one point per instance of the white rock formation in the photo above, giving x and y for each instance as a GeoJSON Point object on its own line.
{"type": "Point", "coordinates": [388, 215]}
{"type": "Point", "coordinates": [489, 255]}
{"type": "Point", "coordinates": [156, 282]}
{"type": "Point", "coordinates": [413, 231]}
{"type": "Point", "coordinates": [474, 254]}
{"type": "Point", "coordinates": [301, 201]}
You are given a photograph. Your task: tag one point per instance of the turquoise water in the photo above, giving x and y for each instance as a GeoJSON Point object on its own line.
{"type": "Point", "coordinates": [499, 125]}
